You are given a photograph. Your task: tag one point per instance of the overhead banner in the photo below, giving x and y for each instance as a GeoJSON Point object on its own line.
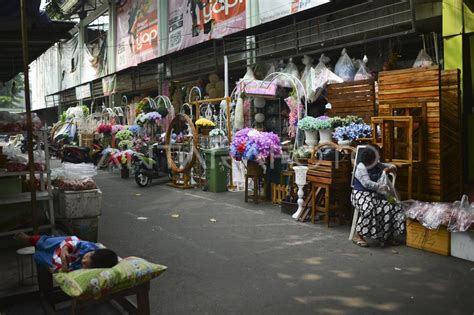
{"type": "Point", "coordinates": [137, 33]}
{"type": "Point", "coordinates": [108, 84]}
{"type": "Point", "coordinates": [83, 91]}
{"type": "Point", "coordinates": [275, 9]}
{"type": "Point", "coordinates": [192, 22]}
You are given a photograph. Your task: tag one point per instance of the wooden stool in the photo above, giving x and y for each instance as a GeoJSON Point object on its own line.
{"type": "Point", "coordinates": [257, 179]}
{"type": "Point", "coordinates": [22, 254]}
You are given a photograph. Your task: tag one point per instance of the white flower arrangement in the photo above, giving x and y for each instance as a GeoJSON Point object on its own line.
{"type": "Point", "coordinates": [216, 132]}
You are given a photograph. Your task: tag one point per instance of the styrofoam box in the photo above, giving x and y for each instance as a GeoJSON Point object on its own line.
{"type": "Point", "coordinates": [462, 245]}
{"type": "Point", "coordinates": [79, 204]}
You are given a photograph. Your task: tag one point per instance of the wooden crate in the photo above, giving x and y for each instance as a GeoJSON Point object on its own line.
{"type": "Point", "coordinates": [329, 172]}
{"type": "Point", "coordinates": [418, 236]}
{"type": "Point", "coordinates": [433, 95]}
{"type": "Point", "coordinates": [352, 98]}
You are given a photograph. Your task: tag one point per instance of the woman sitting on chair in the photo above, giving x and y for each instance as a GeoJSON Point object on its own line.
{"type": "Point", "coordinates": [378, 218]}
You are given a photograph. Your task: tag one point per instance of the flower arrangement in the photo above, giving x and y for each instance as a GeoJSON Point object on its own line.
{"type": "Point", "coordinates": [352, 132]}
{"type": "Point", "coordinates": [293, 115]}
{"type": "Point", "coordinates": [203, 122]}
{"type": "Point", "coordinates": [124, 135]}
{"type": "Point", "coordinates": [123, 158]}
{"type": "Point", "coordinates": [337, 122]}
{"type": "Point", "coordinates": [143, 107]}
{"type": "Point", "coordinates": [353, 119]}
{"type": "Point", "coordinates": [250, 144]}
{"type": "Point", "coordinates": [323, 122]}
{"type": "Point", "coordinates": [126, 144]}
{"type": "Point", "coordinates": [309, 123]}
{"type": "Point", "coordinates": [216, 132]}
{"type": "Point", "coordinates": [135, 129]}
{"type": "Point", "coordinates": [117, 128]}
{"type": "Point", "coordinates": [104, 128]}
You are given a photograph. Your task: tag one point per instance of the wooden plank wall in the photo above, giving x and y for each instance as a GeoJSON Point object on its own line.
{"type": "Point", "coordinates": [352, 98]}
{"type": "Point", "coordinates": [422, 86]}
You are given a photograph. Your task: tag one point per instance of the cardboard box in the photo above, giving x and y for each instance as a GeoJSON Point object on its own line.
{"type": "Point", "coordinates": [435, 241]}
{"type": "Point", "coordinates": [462, 245]}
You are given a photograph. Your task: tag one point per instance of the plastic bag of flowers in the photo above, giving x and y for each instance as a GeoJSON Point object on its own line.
{"type": "Point", "coordinates": [344, 67]}
{"type": "Point", "coordinates": [462, 215]}
{"type": "Point", "coordinates": [423, 60]}
{"type": "Point", "coordinates": [363, 72]}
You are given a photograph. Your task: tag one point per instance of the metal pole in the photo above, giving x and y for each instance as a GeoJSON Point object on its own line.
{"type": "Point", "coordinates": [29, 125]}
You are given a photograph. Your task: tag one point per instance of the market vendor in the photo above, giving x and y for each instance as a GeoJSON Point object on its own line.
{"type": "Point", "coordinates": [68, 253]}
{"type": "Point", "coordinates": [379, 219]}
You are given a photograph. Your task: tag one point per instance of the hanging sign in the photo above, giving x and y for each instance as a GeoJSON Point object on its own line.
{"type": "Point", "coordinates": [258, 87]}
{"type": "Point", "coordinates": [108, 84]}
{"type": "Point", "coordinates": [83, 91]}
{"type": "Point", "coordinates": [275, 9]}
{"type": "Point", "coordinates": [194, 21]}
{"type": "Point", "coordinates": [137, 33]}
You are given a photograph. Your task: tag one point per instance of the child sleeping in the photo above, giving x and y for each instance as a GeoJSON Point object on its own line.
{"type": "Point", "coordinates": [68, 253]}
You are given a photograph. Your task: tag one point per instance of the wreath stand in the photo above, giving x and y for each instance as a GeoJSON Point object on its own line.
{"type": "Point", "coordinates": [227, 115]}
{"type": "Point", "coordinates": [181, 176]}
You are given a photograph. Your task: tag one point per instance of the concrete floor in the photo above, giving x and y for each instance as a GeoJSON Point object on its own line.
{"type": "Point", "coordinates": [255, 260]}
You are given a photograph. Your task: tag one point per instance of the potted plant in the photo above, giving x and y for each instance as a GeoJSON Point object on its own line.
{"type": "Point", "coordinates": [309, 125]}
{"type": "Point", "coordinates": [217, 137]}
{"type": "Point", "coordinates": [105, 130]}
{"type": "Point", "coordinates": [204, 125]}
{"type": "Point", "coordinates": [346, 134]}
{"type": "Point", "coordinates": [324, 125]}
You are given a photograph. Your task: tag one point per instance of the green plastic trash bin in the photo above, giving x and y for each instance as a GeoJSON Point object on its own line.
{"type": "Point", "coordinates": [216, 169]}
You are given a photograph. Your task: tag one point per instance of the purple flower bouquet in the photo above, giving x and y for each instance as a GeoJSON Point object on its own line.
{"type": "Point", "coordinates": [253, 145]}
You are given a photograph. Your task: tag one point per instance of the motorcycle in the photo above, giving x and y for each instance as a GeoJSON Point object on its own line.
{"type": "Point", "coordinates": [149, 168]}
{"type": "Point", "coordinates": [76, 154]}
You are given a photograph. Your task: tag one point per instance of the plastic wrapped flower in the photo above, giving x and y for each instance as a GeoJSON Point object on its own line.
{"type": "Point", "coordinates": [203, 122]}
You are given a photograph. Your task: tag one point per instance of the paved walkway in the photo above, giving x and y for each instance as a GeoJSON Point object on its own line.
{"type": "Point", "coordinates": [229, 257]}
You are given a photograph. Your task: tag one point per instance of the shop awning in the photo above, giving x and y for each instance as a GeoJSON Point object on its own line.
{"type": "Point", "coordinates": [42, 34]}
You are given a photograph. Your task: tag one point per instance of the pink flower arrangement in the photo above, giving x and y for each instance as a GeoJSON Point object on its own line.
{"type": "Point", "coordinates": [117, 128]}
{"type": "Point", "coordinates": [293, 116]}
{"type": "Point", "coordinates": [104, 128]}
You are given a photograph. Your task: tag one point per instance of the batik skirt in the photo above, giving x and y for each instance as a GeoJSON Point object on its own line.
{"type": "Point", "coordinates": [378, 219]}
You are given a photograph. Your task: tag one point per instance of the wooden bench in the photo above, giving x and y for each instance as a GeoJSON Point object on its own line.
{"type": "Point", "coordinates": [50, 296]}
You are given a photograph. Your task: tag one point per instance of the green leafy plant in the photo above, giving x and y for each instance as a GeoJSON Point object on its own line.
{"type": "Point", "coordinates": [352, 119]}
{"type": "Point", "coordinates": [309, 123]}
{"type": "Point", "coordinates": [337, 122]}
{"type": "Point", "coordinates": [126, 144]}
